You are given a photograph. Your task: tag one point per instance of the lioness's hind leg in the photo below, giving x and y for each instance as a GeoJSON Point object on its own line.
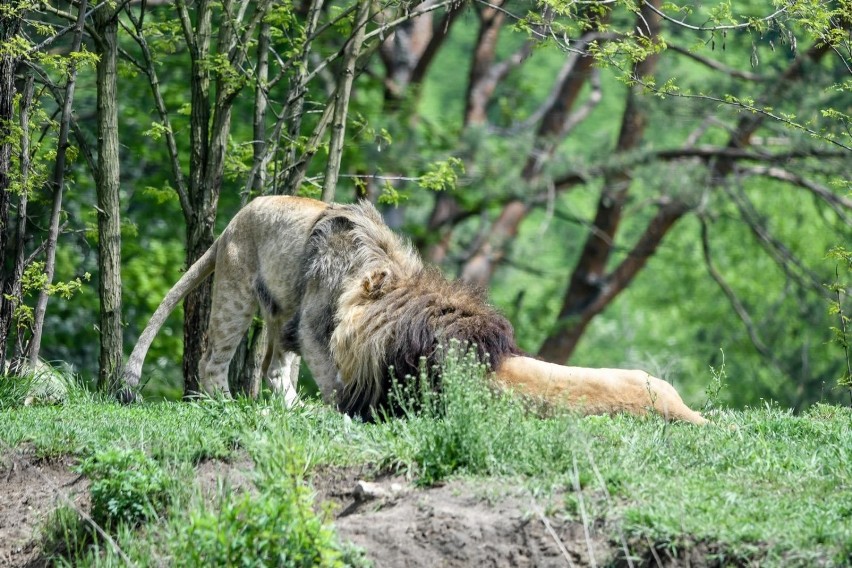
{"type": "Point", "coordinates": [231, 313]}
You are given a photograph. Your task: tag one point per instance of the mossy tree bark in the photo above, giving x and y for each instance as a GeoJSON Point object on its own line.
{"type": "Point", "coordinates": [109, 219]}
{"type": "Point", "coordinates": [10, 24]}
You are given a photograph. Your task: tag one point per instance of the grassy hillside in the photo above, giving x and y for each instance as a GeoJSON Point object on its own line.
{"type": "Point", "coordinates": [758, 486]}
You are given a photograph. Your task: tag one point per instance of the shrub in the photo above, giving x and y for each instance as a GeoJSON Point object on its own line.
{"type": "Point", "coordinates": [277, 526]}
{"type": "Point", "coordinates": [127, 486]}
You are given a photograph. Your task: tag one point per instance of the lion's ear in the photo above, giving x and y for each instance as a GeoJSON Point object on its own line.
{"type": "Point", "coordinates": [374, 282]}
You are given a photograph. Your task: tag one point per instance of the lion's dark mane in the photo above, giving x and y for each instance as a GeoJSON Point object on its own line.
{"type": "Point", "coordinates": [410, 316]}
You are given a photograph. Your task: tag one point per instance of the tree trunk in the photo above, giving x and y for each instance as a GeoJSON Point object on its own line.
{"type": "Point", "coordinates": [591, 289]}
{"type": "Point", "coordinates": [341, 101]}
{"type": "Point", "coordinates": [555, 123]}
{"type": "Point", "coordinates": [589, 283]}
{"type": "Point", "coordinates": [12, 290]}
{"type": "Point", "coordinates": [10, 25]}
{"type": "Point", "coordinates": [109, 221]}
{"type": "Point", "coordinates": [199, 232]}
{"type": "Point", "coordinates": [57, 183]}
{"type": "Point", "coordinates": [196, 309]}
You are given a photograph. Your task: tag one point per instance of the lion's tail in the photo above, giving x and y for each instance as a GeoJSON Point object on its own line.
{"type": "Point", "coordinates": [594, 391]}
{"type": "Point", "coordinates": [201, 269]}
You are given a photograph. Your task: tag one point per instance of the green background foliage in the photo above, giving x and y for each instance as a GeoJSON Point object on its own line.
{"type": "Point", "coordinates": [673, 320]}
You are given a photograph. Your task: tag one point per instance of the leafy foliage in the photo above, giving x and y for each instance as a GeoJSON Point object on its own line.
{"type": "Point", "coordinates": [276, 527]}
{"type": "Point", "coordinates": [721, 65]}
{"type": "Point", "coordinates": [127, 486]}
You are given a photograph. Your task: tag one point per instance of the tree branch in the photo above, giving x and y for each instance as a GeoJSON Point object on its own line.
{"type": "Point", "coordinates": [341, 101]}
{"type": "Point", "coordinates": [735, 302]}
{"type": "Point", "coordinates": [838, 203]}
{"type": "Point", "coordinates": [439, 34]}
{"type": "Point", "coordinates": [716, 65]}
{"type": "Point", "coordinates": [171, 144]}
{"type": "Point", "coordinates": [777, 250]}
{"type": "Point", "coordinates": [683, 24]}
{"type": "Point", "coordinates": [579, 310]}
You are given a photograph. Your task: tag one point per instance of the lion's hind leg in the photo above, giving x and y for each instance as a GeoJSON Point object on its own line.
{"type": "Point", "coordinates": [225, 332]}
{"type": "Point", "coordinates": [232, 310]}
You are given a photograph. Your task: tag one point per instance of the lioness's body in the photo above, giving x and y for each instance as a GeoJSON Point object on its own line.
{"type": "Point", "coordinates": [256, 259]}
{"type": "Point", "coordinates": [337, 286]}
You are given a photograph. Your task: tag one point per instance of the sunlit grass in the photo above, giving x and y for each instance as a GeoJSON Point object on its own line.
{"type": "Point", "coordinates": [757, 485]}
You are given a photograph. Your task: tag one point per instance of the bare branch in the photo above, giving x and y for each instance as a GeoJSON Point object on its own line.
{"type": "Point", "coordinates": [838, 203]}
{"type": "Point", "coordinates": [341, 101]}
{"type": "Point", "coordinates": [735, 302]}
{"type": "Point", "coordinates": [151, 71]}
{"type": "Point", "coordinates": [707, 154]}
{"type": "Point", "coordinates": [295, 172]}
{"type": "Point", "coordinates": [716, 65]}
{"type": "Point", "coordinates": [778, 251]}
{"type": "Point", "coordinates": [683, 24]}
{"type": "Point", "coordinates": [49, 41]}
{"type": "Point", "coordinates": [376, 33]}
{"type": "Point", "coordinates": [293, 109]}
{"type": "Point", "coordinates": [558, 113]}
{"type": "Point", "coordinates": [588, 295]}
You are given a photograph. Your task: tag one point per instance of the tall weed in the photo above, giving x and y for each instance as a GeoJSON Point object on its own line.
{"type": "Point", "coordinates": [467, 426]}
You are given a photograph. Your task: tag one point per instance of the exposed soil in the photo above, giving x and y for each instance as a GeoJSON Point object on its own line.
{"type": "Point", "coordinates": [457, 524]}
{"type": "Point", "coordinates": [398, 525]}
{"type": "Point", "coordinates": [29, 490]}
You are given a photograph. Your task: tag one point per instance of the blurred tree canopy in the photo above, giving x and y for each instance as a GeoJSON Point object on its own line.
{"type": "Point", "coordinates": [650, 184]}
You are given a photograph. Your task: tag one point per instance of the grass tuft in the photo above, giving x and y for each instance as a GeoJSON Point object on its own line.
{"type": "Point", "coordinates": [126, 486]}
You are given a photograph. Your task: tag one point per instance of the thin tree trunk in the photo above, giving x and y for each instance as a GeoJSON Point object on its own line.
{"type": "Point", "coordinates": [109, 221]}
{"type": "Point", "coordinates": [341, 102]}
{"type": "Point", "coordinates": [15, 292]}
{"type": "Point", "coordinates": [10, 25]}
{"type": "Point", "coordinates": [244, 372]}
{"type": "Point", "coordinates": [57, 182]}
{"type": "Point", "coordinates": [199, 232]}
{"type": "Point", "coordinates": [260, 104]}
{"type": "Point", "coordinates": [11, 289]}
{"type": "Point", "coordinates": [293, 111]}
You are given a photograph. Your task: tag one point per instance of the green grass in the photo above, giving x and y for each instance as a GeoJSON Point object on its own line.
{"type": "Point", "coordinates": [760, 485]}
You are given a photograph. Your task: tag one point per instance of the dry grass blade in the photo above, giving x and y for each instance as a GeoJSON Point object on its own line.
{"type": "Point", "coordinates": [556, 538]}
{"type": "Point", "coordinates": [583, 516]}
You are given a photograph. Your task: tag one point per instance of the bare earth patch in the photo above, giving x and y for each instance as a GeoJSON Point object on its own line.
{"type": "Point", "coordinates": [456, 524]}
{"type": "Point", "coordinates": [29, 490]}
{"type": "Point", "coordinates": [398, 525]}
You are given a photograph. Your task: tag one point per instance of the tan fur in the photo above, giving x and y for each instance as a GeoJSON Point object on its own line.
{"type": "Point", "coordinates": [336, 285]}
{"type": "Point", "coordinates": [250, 250]}
{"type": "Point", "coordinates": [595, 391]}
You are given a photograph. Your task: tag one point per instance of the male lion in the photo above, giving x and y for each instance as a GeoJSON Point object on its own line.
{"type": "Point", "coordinates": [337, 286]}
